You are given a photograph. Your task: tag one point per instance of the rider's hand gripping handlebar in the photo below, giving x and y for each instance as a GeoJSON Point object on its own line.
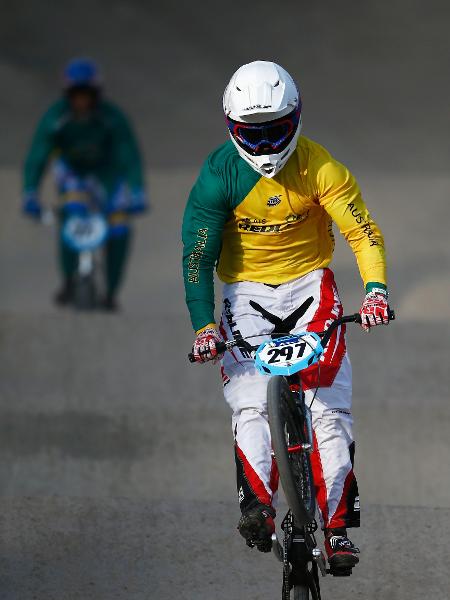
{"type": "Point", "coordinates": [355, 318]}
{"type": "Point", "coordinates": [220, 346]}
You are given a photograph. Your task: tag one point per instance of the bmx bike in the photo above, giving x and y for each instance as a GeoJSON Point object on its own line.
{"type": "Point", "coordinates": [283, 358]}
{"type": "Point", "coordinates": [84, 231]}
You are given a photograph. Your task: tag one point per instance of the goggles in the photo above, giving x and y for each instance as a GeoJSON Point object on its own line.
{"type": "Point", "coordinates": [270, 137]}
{"type": "Point", "coordinates": [87, 89]}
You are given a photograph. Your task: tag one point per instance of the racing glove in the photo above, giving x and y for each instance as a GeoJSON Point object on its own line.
{"type": "Point", "coordinates": [31, 205]}
{"type": "Point", "coordinates": [137, 203]}
{"type": "Point", "coordinates": [132, 202]}
{"type": "Point", "coordinates": [119, 200]}
{"type": "Point", "coordinates": [204, 348]}
{"type": "Point", "coordinates": [375, 309]}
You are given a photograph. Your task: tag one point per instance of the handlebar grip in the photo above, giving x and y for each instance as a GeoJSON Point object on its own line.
{"type": "Point", "coordinates": [357, 317]}
{"type": "Point", "coordinates": [220, 346]}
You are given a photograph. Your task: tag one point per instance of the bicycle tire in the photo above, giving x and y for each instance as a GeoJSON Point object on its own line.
{"type": "Point", "coordinates": [301, 592]}
{"type": "Point", "coordinates": [294, 468]}
{"type": "Point", "coordinates": [306, 591]}
{"type": "Point", "coordinates": [84, 294]}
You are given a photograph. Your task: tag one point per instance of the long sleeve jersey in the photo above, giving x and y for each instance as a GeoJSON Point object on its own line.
{"type": "Point", "coordinates": [272, 230]}
{"type": "Point", "coordinates": [102, 144]}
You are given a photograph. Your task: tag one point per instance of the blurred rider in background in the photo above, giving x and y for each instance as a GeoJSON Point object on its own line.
{"type": "Point", "coordinates": [95, 152]}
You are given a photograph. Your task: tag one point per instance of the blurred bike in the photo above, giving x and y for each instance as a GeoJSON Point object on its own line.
{"type": "Point", "coordinates": [84, 232]}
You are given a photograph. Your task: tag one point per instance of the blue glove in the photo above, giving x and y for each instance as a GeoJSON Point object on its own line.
{"type": "Point", "coordinates": [74, 208]}
{"type": "Point", "coordinates": [138, 202]}
{"type": "Point", "coordinates": [119, 201]}
{"type": "Point", "coordinates": [31, 205]}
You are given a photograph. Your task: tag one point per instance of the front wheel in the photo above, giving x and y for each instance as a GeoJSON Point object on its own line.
{"type": "Point", "coordinates": [288, 430]}
{"type": "Point", "coordinates": [305, 582]}
{"type": "Point", "coordinates": [301, 592]}
{"type": "Point", "coordinates": [84, 293]}
{"type": "Point", "coordinates": [307, 591]}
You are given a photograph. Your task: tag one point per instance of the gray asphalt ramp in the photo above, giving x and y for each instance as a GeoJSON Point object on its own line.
{"type": "Point", "coordinates": [371, 74]}
{"type": "Point", "coordinates": [116, 463]}
{"type": "Point", "coordinates": [120, 548]}
{"type": "Point", "coordinates": [116, 454]}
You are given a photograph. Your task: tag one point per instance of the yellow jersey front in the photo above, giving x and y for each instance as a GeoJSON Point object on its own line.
{"type": "Point", "coordinates": [273, 230]}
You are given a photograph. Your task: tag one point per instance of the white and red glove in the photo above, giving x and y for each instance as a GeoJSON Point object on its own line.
{"type": "Point", "coordinates": [375, 309]}
{"type": "Point", "coordinates": [204, 348]}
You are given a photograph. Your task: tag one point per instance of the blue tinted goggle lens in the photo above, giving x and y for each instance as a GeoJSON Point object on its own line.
{"type": "Point", "coordinates": [272, 133]}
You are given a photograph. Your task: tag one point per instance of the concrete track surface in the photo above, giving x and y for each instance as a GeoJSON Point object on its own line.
{"type": "Point", "coordinates": [116, 466]}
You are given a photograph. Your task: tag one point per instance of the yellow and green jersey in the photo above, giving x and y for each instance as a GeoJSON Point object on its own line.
{"type": "Point", "coordinates": [272, 230]}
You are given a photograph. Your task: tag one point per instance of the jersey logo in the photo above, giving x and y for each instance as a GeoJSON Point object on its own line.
{"type": "Point", "coordinates": [274, 200]}
{"type": "Point", "coordinates": [261, 225]}
{"type": "Point", "coordinates": [297, 218]}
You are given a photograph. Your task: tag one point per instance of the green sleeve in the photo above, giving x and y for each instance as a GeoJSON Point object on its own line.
{"type": "Point", "coordinates": [126, 149]}
{"type": "Point", "coordinates": [204, 219]}
{"type": "Point", "coordinates": [371, 285]}
{"type": "Point", "coordinates": [40, 149]}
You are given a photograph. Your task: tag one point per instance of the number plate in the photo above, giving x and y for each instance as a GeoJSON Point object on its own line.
{"type": "Point", "coordinates": [85, 233]}
{"type": "Point", "coordinates": [288, 355]}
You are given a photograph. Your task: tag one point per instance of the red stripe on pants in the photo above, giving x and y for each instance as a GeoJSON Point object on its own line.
{"type": "Point", "coordinates": [331, 361]}
{"type": "Point", "coordinates": [253, 479]}
{"type": "Point", "coordinates": [339, 519]}
{"type": "Point", "coordinates": [274, 476]}
{"type": "Point", "coordinates": [319, 482]}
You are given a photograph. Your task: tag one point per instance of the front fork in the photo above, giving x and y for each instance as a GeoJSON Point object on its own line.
{"type": "Point", "coordinates": [305, 411]}
{"type": "Point", "coordinates": [85, 263]}
{"type": "Point", "coordinates": [308, 446]}
{"type": "Point", "coordinates": [299, 548]}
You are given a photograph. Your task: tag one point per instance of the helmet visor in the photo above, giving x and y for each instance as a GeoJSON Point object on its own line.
{"type": "Point", "coordinates": [270, 137]}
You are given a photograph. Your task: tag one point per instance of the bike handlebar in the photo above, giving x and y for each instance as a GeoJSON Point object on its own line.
{"type": "Point", "coordinates": [222, 347]}
{"type": "Point", "coordinates": [355, 318]}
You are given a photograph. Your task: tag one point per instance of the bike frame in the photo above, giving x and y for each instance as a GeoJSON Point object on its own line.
{"type": "Point", "coordinates": [85, 217]}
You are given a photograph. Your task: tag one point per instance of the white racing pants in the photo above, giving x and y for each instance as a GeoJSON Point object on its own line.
{"type": "Point", "coordinates": [256, 309]}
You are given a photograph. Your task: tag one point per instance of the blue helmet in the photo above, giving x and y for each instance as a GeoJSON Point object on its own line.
{"type": "Point", "coordinates": [82, 72]}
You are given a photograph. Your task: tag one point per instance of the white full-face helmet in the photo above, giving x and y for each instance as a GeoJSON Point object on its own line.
{"type": "Point", "coordinates": [262, 107]}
